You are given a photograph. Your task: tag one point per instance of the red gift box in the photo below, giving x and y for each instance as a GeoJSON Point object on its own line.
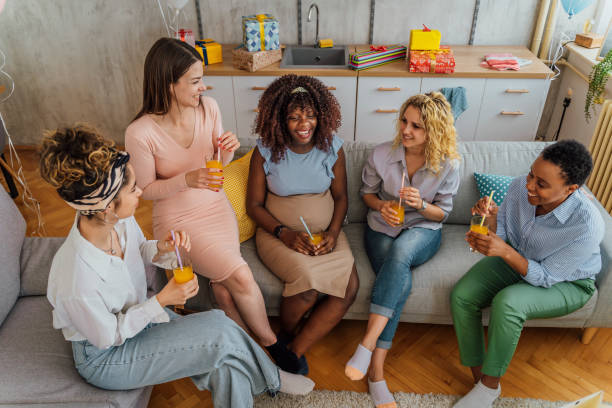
{"type": "Point", "coordinates": [440, 61]}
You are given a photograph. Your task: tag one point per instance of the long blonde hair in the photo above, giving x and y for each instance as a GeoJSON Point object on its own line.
{"type": "Point", "coordinates": [437, 116]}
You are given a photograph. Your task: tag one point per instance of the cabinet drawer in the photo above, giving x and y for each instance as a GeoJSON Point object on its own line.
{"type": "Point", "coordinates": [511, 109]}
{"type": "Point", "coordinates": [345, 91]}
{"type": "Point", "coordinates": [247, 91]}
{"type": "Point", "coordinates": [467, 122]}
{"type": "Point", "coordinates": [221, 89]}
{"type": "Point", "coordinates": [378, 103]}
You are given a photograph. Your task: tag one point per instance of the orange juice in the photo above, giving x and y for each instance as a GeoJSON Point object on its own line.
{"type": "Point", "coordinates": [316, 239]}
{"type": "Point", "coordinates": [215, 164]}
{"type": "Point", "coordinates": [400, 212]}
{"type": "Point", "coordinates": [183, 275]}
{"type": "Point", "coordinates": [480, 229]}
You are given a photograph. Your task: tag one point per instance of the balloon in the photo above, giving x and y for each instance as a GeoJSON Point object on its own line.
{"type": "Point", "coordinates": [575, 6]}
{"type": "Point", "coordinates": [177, 4]}
{"type": "Point", "coordinates": [2, 2]}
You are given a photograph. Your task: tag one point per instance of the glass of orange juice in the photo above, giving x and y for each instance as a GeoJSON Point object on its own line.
{"type": "Point", "coordinates": [316, 239]}
{"type": "Point", "coordinates": [400, 212]}
{"type": "Point", "coordinates": [184, 274]}
{"type": "Point", "coordinates": [215, 164]}
{"type": "Point", "coordinates": [478, 226]}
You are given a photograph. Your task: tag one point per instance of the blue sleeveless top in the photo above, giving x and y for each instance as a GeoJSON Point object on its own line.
{"type": "Point", "coordinates": [308, 173]}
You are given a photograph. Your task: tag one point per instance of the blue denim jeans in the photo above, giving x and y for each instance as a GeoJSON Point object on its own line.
{"type": "Point", "coordinates": [391, 259]}
{"type": "Point", "coordinates": [208, 347]}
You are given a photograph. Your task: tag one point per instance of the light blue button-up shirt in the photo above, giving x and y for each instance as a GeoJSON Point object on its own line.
{"type": "Point", "coordinates": [562, 245]}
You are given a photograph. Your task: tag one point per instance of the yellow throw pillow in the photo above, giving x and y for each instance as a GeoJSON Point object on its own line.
{"type": "Point", "coordinates": [236, 176]}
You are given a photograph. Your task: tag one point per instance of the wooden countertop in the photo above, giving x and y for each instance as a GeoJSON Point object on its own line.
{"type": "Point", "coordinates": [467, 59]}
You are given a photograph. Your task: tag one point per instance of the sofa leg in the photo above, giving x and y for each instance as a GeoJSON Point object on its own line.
{"type": "Point", "coordinates": [588, 333]}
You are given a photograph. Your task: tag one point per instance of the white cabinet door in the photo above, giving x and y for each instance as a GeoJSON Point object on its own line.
{"type": "Point", "coordinates": [467, 121]}
{"type": "Point", "coordinates": [379, 100]}
{"type": "Point", "coordinates": [345, 91]}
{"type": "Point", "coordinates": [221, 89]}
{"type": "Point", "coordinates": [511, 109]}
{"type": "Point", "coordinates": [247, 91]}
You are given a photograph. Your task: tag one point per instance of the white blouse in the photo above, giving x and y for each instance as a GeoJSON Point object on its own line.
{"type": "Point", "coordinates": [101, 297]}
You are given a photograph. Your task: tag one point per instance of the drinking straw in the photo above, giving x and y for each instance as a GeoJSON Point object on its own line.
{"type": "Point", "coordinates": [403, 178]}
{"type": "Point", "coordinates": [488, 204]}
{"type": "Point", "coordinates": [219, 149]}
{"type": "Point", "coordinates": [306, 226]}
{"type": "Point", "coordinates": [176, 250]}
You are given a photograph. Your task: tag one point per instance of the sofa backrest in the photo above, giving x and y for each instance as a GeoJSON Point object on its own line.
{"type": "Point", "coordinates": [12, 233]}
{"type": "Point", "coordinates": [503, 158]}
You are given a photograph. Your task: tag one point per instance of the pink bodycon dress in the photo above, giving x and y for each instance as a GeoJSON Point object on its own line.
{"type": "Point", "coordinates": [161, 164]}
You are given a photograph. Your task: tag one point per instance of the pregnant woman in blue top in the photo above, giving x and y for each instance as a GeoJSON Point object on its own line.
{"type": "Point", "coordinates": [298, 169]}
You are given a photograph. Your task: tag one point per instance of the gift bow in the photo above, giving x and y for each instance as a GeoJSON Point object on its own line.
{"type": "Point", "coordinates": [379, 48]}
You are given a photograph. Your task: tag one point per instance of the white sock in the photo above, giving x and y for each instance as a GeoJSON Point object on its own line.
{"type": "Point", "coordinates": [294, 384]}
{"type": "Point", "coordinates": [480, 396]}
{"type": "Point", "coordinates": [380, 393]}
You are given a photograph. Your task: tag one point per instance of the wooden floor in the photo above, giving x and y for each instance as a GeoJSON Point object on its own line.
{"type": "Point", "coordinates": [550, 364]}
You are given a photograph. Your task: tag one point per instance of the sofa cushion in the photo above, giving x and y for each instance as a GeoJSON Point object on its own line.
{"type": "Point", "coordinates": [12, 233]}
{"type": "Point", "coordinates": [36, 256]}
{"type": "Point", "coordinates": [38, 367]}
{"type": "Point", "coordinates": [487, 183]}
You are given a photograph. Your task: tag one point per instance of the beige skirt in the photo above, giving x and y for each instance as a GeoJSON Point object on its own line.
{"type": "Point", "coordinates": [327, 273]}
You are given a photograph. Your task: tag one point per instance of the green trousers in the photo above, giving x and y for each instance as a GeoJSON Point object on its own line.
{"type": "Point", "coordinates": [492, 282]}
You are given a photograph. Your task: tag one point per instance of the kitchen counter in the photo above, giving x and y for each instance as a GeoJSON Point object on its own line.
{"type": "Point", "coordinates": [467, 58]}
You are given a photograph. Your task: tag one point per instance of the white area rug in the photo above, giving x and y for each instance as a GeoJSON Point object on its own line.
{"type": "Point", "coordinates": [350, 399]}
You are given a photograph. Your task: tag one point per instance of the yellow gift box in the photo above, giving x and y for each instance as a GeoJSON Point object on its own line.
{"type": "Point", "coordinates": [210, 51]}
{"type": "Point", "coordinates": [425, 39]}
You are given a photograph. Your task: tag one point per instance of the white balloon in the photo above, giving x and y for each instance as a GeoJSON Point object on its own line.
{"type": "Point", "coordinates": [177, 4]}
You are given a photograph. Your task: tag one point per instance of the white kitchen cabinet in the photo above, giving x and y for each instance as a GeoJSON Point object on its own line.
{"type": "Point", "coordinates": [248, 90]}
{"type": "Point", "coordinates": [511, 109]}
{"type": "Point", "coordinates": [221, 89]}
{"type": "Point", "coordinates": [379, 100]}
{"type": "Point", "coordinates": [467, 122]}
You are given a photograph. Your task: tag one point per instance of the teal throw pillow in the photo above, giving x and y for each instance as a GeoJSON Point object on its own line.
{"type": "Point", "coordinates": [488, 182]}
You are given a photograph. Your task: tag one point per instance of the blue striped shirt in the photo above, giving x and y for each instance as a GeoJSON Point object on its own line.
{"type": "Point", "coordinates": [562, 245]}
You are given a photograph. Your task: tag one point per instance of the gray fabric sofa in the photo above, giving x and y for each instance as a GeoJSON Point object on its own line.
{"type": "Point", "coordinates": [429, 301]}
{"type": "Point", "coordinates": [36, 364]}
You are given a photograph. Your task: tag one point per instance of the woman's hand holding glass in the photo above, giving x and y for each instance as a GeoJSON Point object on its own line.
{"type": "Point", "coordinates": [298, 241]}
{"type": "Point", "coordinates": [178, 293]}
{"type": "Point", "coordinates": [488, 245]}
{"type": "Point", "coordinates": [389, 213]}
{"type": "Point", "coordinates": [412, 197]}
{"type": "Point", "coordinates": [205, 178]}
{"type": "Point", "coordinates": [327, 244]}
{"type": "Point", "coordinates": [480, 208]}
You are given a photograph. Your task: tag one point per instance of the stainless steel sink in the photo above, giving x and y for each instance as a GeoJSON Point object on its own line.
{"type": "Point", "coordinates": [310, 57]}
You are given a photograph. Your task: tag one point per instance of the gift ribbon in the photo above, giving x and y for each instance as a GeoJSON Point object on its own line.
{"type": "Point", "coordinates": [202, 44]}
{"type": "Point", "coordinates": [261, 18]}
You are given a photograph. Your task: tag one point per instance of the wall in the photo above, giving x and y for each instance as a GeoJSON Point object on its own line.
{"type": "Point", "coordinates": [75, 60]}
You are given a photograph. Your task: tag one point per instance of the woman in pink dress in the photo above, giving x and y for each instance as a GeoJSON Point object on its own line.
{"type": "Point", "coordinates": [174, 134]}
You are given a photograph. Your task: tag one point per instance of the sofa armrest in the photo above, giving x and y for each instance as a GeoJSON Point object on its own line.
{"type": "Point", "coordinates": [602, 315]}
{"type": "Point", "coordinates": [36, 256]}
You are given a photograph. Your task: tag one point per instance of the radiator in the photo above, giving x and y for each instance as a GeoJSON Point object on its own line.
{"type": "Point", "coordinates": [600, 181]}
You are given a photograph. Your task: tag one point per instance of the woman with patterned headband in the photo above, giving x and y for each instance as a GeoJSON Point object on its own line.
{"type": "Point", "coordinates": [298, 170]}
{"type": "Point", "coordinates": [122, 339]}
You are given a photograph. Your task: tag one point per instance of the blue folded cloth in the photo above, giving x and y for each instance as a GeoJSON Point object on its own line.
{"type": "Point", "coordinates": [457, 99]}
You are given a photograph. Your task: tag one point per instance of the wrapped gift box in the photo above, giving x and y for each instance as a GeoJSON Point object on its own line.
{"type": "Point", "coordinates": [440, 61]}
{"type": "Point", "coordinates": [376, 56]}
{"type": "Point", "coordinates": [260, 32]}
{"type": "Point", "coordinates": [425, 39]}
{"type": "Point", "coordinates": [252, 61]}
{"type": "Point", "coordinates": [210, 51]}
{"type": "Point", "coordinates": [185, 36]}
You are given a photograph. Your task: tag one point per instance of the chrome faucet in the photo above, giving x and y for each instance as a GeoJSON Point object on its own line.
{"type": "Point", "coordinates": [314, 6]}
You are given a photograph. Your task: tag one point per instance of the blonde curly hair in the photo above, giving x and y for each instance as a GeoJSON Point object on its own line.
{"type": "Point", "coordinates": [75, 160]}
{"type": "Point", "coordinates": [441, 136]}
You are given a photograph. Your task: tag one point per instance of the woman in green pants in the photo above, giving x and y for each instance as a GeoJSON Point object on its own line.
{"type": "Point", "coordinates": [542, 256]}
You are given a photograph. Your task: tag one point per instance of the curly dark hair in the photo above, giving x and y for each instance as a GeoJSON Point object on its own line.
{"type": "Point", "coordinates": [573, 158]}
{"type": "Point", "coordinates": [278, 101]}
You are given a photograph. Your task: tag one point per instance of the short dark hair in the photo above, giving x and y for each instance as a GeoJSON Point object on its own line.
{"type": "Point", "coordinates": [573, 158]}
{"type": "Point", "coordinates": [166, 62]}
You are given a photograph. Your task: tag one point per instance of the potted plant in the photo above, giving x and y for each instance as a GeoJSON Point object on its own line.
{"type": "Point", "coordinates": [597, 83]}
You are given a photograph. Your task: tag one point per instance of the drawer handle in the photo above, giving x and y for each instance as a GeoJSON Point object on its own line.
{"type": "Point", "coordinates": [259, 88]}
{"type": "Point", "coordinates": [209, 87]}
{"type": "Point", "coordinates": [386, 111]}
{"type": "Point", "coordinates": [383, 89]}
{"type": "Point", "coordinates": [517, 90]}
{"type": "Point", "coordinates": [331, 88]}
{"type": "Point", "coordinates": [256, 110]}
{"type": "Point", "coordinates": [515, 113]}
